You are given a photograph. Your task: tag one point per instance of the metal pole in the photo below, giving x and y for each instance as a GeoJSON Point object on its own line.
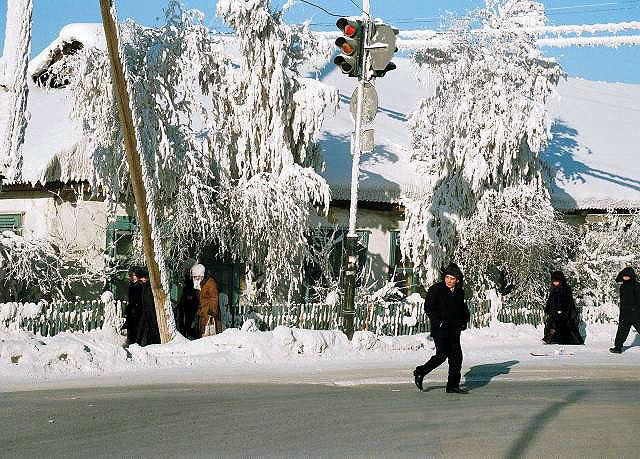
{"type": "Point", "coordinates": [135, 168]}
{"type": "Point", "coordinates": [348, 310]}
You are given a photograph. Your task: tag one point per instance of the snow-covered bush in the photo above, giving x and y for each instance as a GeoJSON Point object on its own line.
{"type": "Point", "coordinates": [511, 243]}
{"type": "Point", "coordinates": [605, 247]}
{"type": "Point", "coordinates": [34, 269]}
{"type": "Point", "coordinates": [482, 129]}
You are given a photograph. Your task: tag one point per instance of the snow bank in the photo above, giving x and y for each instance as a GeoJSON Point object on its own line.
{"type": "Point", "coordinates": [27, 358]}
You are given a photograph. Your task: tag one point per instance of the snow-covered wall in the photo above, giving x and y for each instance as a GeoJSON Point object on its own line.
{"type": "Point", "coordinates": [44, 216]}
{"type": "Point", "coordinates": [34, 208]}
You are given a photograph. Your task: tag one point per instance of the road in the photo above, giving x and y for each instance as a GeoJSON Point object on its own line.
{"type": "Point", "coordinates": [562, 418]}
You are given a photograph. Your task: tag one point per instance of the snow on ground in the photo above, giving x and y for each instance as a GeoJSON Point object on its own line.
{"type": "Point", "coordinates": [27, 359]}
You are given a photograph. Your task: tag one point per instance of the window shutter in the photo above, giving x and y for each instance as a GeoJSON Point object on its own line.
{"type": "Point", "coordinates": [11, 222]}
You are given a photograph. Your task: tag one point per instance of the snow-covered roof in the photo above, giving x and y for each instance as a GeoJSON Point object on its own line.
{"type": "Point", "coordinates": [594, 154]}
{"type": "Point", "coordinates": [386, 172]}
{"type": "Point", "coordinates": [595, 149]}
{"type": "Point", "coordinates": [87, 34]}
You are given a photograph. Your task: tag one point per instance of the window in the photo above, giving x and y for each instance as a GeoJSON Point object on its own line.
{"type": "Point", "coordinates": [330, 246]}
{"type": "Point", "coordinates": [399, 271]}
{"type": "Point", "coordinates": [120, 247]}
{"type": "Point", "coordinates": [11, 222]}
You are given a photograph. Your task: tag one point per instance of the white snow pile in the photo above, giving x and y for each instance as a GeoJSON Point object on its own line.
{"type": "Point", "coordinates": [25, 357]}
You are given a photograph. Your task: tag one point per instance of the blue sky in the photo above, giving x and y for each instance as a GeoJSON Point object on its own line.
{"type": "Point", "coordinates": [600, 63]}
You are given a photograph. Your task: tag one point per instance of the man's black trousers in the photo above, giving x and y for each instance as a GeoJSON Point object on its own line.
{"type": "Point", "coordinates": [623, 331]}
{"type": "Point", "coordinates": [447, 347]}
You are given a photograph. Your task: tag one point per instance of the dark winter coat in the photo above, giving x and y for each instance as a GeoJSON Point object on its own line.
{"type": "Point", "coordinates": [560, 303]}
{"type": "Point", "coordinates": [185, 312]}
{"type": "Point", "coordinates": [629, 296]}
{"type": "Point", "coordinates": [133, 311]}
{"type": "Point", "coordinates": [446, 309]}
{"type": "Point", "coordinates": [561, 326]}
{"type": "Point", "coordinates": [148, 332]}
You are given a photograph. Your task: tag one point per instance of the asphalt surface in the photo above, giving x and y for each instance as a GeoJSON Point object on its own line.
{"type": "Point", "coordinates": [560, 418]}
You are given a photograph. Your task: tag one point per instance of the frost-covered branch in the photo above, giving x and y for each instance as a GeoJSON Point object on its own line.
{"type": "Point", "coordinates": [605, 247]}
{"type": "Point", "coordinates": [611, 42]}
{"type": "Point", "coordinates": [512, 242]}
{"type": "Point", "coordinates": [57, 266]}
{"type": "Point", "coordinates": [13, 87]}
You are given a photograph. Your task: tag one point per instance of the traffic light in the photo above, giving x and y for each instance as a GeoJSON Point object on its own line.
{"type": "Point", "coordinates": [382, 49]}
{"type": "Point", "coordinates": [350, 44]}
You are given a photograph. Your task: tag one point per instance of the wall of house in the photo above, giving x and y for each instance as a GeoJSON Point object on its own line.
{"type": "Point", "coordinates": [378, 223]}
{"type": "Point", "coordinates": [82, 223]}
{"type": "Point", "coordinates": [34, 209]}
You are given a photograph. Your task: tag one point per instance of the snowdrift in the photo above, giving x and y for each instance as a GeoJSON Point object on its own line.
{"type": "Point", "coordinates": [25, 357]}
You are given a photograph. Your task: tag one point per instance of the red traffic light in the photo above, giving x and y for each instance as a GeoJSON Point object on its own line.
{"type": "Point", "coordinates": [349, 27]}
{"type": "Point", "coordinates": [350, 30]}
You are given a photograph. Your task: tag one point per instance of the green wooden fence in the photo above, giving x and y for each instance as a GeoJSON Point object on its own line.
{"type": "Point", "coordinates": [57, 317]}
{"type": "Point", "coordinates": [389, 319]}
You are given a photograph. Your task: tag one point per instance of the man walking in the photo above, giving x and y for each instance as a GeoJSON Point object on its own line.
{"type": "Point", "coordinates": [448, 315]}
{"type": "Point", "coordinates": [629, 307]}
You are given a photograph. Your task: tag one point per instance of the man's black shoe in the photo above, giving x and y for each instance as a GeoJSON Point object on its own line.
{"type": "Point", "coordinates": [417, 378]}
{"type": "Point", "coordinates": [456, 390]}
{"type": "Point", "coordinates": [615, 350]}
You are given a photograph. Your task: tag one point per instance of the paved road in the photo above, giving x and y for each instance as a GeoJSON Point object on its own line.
{"type": "Point", "coordinates": [593, 418]}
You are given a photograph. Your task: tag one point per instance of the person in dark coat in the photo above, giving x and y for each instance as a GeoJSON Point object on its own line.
{"type": "Point", "coordinates": [561, 324]}
{"type": "Point", "coordinates": [133, 309]}
{"type": "Point", "coordinates": [448, 315]}
{"type": "Point", "coordinates": [148, 331]}
{"type": "Point", "coordinates": [629, 307]}
{"type": "Point", "coordinates": [187, 308]}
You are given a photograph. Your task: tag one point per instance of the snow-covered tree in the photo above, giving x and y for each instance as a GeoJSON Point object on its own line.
{"type": "Point", "coordinates": [483, 127]}
{"type": "Point", "coordinates": [606, 246]}
{"type": "Point", "coordinates": [264, 157]}
{"type": "Point", "coordinates": [227, 142]}
{"type": "Point", "coordinates": [13, 86]}
{"type": "Point", "coordinates": [511, 243]}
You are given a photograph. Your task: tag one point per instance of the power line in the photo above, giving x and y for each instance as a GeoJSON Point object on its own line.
{"type": "Point", "coordinates": [323, 9]}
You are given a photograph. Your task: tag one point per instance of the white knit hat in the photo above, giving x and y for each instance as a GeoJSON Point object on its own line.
{"type": "Point", "coordinates": [197, 270]}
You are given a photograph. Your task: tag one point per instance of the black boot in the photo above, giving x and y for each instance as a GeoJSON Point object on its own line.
{"type": "Point", "coordinates": [417, 378]}
{"type": "Point", "coordinates": [615, 350]}
{"type": "Point", "coordinates": [457, 390]}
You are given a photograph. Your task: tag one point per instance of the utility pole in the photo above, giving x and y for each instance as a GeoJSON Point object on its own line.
{"type": "Point", "coordinates": [366, 51]}
{"type": "Point", "coordinates": [135, 168]}
{"type": "Point", "coordinates": [351, 270]}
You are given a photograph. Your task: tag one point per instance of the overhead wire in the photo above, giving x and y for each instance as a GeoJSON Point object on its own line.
{"type": "Point", "coordinates": [323, 9]}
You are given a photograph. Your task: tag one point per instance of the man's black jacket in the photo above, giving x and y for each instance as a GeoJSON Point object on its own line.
{"type": "Point", "coordinates": [447, 311]}
{"type": "Point", "coordinates": [629, 296]}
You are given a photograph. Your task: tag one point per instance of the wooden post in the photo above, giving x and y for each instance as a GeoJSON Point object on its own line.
{"type": "Point", "coordinates": [135, 168]}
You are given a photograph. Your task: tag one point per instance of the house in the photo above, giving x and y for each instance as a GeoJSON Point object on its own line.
{"type": "Point", "coordinates": [593, 157]}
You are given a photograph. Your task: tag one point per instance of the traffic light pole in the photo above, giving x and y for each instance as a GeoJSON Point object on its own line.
{"type": "Point", "coordinates": [348, 309]}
